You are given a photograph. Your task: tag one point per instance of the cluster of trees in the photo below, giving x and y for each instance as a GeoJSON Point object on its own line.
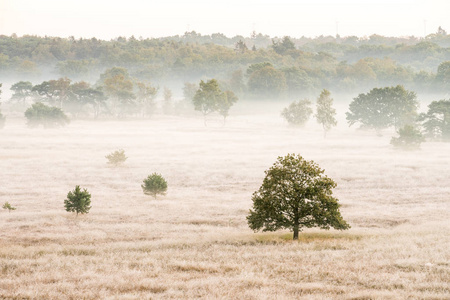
{"type": "Point", "coordinates": [298, 112]}
{"type": "Point", "coordinates": [299, 66]}
{"type": "Point", "coordinates": [379, 109]}
{"type": "Point", "coordinates": [397, 107]}
{"type": "Point", "coordinates": [115, 93]}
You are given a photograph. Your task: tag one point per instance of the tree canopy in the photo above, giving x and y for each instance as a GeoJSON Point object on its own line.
{"type": "Point", "coordinates": [298, 112]}
{"type": "Point", "coordinates": [437, 120]}
{"type": "Point", "coordinates": [47, 116]}
{"type": "Point", "coordinates": [325, 112]}
{"type": "Point", "coordinates": [383, 108]}
{"type": "Point", "coordinates": [210, 98]}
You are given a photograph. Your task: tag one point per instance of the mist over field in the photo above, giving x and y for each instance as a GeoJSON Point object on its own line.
{"type": "Point", "coordinates": [146, 168]}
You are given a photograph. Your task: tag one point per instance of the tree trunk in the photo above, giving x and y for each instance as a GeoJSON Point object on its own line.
{"type": "Point", "coordinates": [296, 232]}
{"type": "Point", "coordinates": [296, 225]}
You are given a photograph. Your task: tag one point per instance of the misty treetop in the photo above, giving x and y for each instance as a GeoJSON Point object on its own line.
{"type": "Point", "coordinates": [47, 116]}
{"type": "Point", "coordinates": [384, 107]}
{"type": "Point", "coordinates": [298, 112]}
{"type": "Point", "coordinates": [436, 121]}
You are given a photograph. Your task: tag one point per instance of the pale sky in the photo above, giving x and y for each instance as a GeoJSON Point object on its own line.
{"type": "Point", "coordinates": [110, 19]}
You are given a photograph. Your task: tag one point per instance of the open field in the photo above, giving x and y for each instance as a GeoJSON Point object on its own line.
{"type": "Point", "coordinates": [195, 242]}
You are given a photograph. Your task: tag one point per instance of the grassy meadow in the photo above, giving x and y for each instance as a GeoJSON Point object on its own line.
{"type": "Point", "coordinates": [195, 242]}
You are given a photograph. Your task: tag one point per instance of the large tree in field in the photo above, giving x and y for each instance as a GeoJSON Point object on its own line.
{"type": "Point", "coordinates": [325, 113]}
{"type": "Point", "coordinates": [294, 195]}
{"type": "Point", "coordinates": [384, 107]}
{"type": "Point", "coordinates": [437, 120]}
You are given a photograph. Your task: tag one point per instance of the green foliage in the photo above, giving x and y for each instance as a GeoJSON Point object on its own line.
{"type": "Point", "coordinates": [443, 75]}
{"type": "Point", "coordinates": [117, 157]}
{"type": "Point", "coordinates": [154, 184]}
{"type": "Point", "coordinates": [82, 95]}
{"type": "Point", "coordinates": [294, 195]}
{"type": "Point", "coordinates": [210, 98]}
{"type": "Point", "coordinates": [409, 138]}
{"type": "Point", "coordinates": [118, 86]}
{"type": "Point", "coordinates": [55, 92]}
{"type": "Point", "coordinates": [384, 107]}
{"type": "Point", "coordinates": [225, 103]}
{"type": "Point", "coordinates": [8, 207]}
{"type": "Point", "coordinates": [437, 120]}
{"type": "Point", "coordinates": [189, 90]}
{"type": "Point", "coordinates": [284, 46]}
{"type": "Point", "coordinates": [22, 91]}
{"type": "Point", "coordinates": [207, 96]}
{"type": "Point", "coordinates": [168, 107]}
{"type": "Point", "coordinates": [298, 112]}
{"type": "Point", "coordinates": [266, 82]}
{"type": "Point", "coordinates": [193, 55]}
{"type": "Point", "coordinates": [325, 113]}
{"type": "Point", "coordinates": [41, 114]}
{"type": "Point", "coordinates": [146, 95]}
{"type": "Point", "coordinates": [78, 201]}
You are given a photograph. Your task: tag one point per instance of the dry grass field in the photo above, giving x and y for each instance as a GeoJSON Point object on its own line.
{"type": "Point", "coordinates": [194, 242]}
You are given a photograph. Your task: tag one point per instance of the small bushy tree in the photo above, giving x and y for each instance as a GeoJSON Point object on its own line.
{"type": "Point", "coordinates": [47, 116]}
{"type": "Point", "coordinates": [295, 194]}
{"type": "Point", "coordinates": [298, 112]}
{"type": "Point", "coordinates": [8, 207]}
{"type": "Point", "coordinates": [117, 157]}
{"type": "Point", "coordinates": [409, 138]}
{"type": "Point", "coordinates": [154, 184]}
{"type": "Point", "coordinates": [78, 201]}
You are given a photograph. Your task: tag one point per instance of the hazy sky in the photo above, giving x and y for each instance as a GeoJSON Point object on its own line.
{"type": "Point", "coordinates": [109, 19]}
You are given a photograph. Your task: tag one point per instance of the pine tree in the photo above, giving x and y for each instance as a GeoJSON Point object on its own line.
{"type": "Point", "coordinates": [78, 201]}
{"type": "Point", "coordinates": [154, 184]}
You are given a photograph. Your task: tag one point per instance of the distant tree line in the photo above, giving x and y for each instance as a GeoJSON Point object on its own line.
{"type": "Point", "coordinates": [256, 66]}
